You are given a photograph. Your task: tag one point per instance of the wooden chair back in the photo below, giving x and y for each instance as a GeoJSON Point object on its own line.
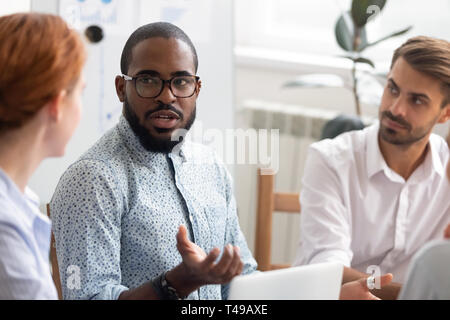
{"type": "Point", "coordinates": [54, 261]}
{"type": "Point", "coordinates": [270, 202]}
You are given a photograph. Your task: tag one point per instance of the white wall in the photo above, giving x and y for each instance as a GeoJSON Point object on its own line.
{"type": "Point", "coordinates": [8, 7]}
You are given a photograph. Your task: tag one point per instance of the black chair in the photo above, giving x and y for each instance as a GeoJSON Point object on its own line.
{"type": "Point", "coordinates": [341, 124]}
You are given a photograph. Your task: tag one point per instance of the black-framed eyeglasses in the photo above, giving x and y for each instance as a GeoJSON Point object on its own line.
{"type": "Point", "coordinates": [148, 86]}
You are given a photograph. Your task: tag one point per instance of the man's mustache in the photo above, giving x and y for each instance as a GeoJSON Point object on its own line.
{"type": "Point", "coordinates": [399, 120]}
{"type": "Point", "coordinates": [161, 107]}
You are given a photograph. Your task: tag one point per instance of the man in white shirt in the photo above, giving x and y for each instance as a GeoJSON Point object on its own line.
{"type": "Point", "coordinates": [371, 198]}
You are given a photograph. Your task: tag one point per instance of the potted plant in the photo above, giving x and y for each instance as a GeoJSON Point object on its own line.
{"type": "Point", "coordinates": [351, 36]}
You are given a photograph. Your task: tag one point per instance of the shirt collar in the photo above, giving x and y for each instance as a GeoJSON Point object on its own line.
{"type": "Point", "coordinates": [28, 201]}
{"type": "Point", "coordinates": [431, 164]}
{"type": "Point", "coordinates": [133, 143]}
{"type": "Point", "coordinates": [435, 160]}
{"type": "Point", "coordinates": [374, 159]}
{"type": "Point", "coordinates": [376, 162]}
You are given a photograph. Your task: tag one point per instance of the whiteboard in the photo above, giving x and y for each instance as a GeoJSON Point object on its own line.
{"type": "Point", "coordinates": [208, 23]}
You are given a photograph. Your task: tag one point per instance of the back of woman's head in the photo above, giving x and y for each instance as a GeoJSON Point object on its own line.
{"type": "Point", "coordinates": [39, 57]}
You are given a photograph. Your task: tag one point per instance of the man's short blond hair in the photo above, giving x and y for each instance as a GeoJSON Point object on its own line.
{"type": "Point", "coordinates": [430, 56]}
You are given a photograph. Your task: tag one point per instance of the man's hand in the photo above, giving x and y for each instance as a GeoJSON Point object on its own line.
{"type": "Point", "coordinates": [447, 230]}
{"type": "Point", "coordinates": [358, 290]}
{"type": "Point", "coordinates": [197, 269]}
{"type": "Point", "coordinates": [202, 268]}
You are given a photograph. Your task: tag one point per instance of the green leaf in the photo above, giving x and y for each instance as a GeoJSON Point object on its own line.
{"type": "Point", "coordinates": [394, 34]}
{"type": "Point", "coordinates": [365, 10]}
{"type": "Point", "coordinates": [364, 60]}
{"type": "Point", "coordinates": [350, 57]}
{"type": "Point", "coordinates": [356, 58]}
{"type": "Point", "coordinates": [363, 39]}
{"type": "Point", "coordinates": [345, 34]}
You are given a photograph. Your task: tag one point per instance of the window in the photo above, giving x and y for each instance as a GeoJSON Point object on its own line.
{"type": "Point", "coordinates": [307, 26]}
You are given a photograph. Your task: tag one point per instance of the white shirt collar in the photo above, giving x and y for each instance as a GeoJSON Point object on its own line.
{"type": "Point", "coordinates": [375, 161]}
{"type": "Point", "coordinates": [28, 201]}
{"type": "Point", "coordinates": [436, 160]}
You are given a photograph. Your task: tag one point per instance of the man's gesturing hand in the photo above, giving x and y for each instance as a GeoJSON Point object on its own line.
{"type": "Point", "coordinates": [202, 268]}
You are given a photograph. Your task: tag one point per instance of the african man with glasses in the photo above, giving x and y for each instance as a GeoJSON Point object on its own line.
{"type": "Point", "coordinates": [135, 220]}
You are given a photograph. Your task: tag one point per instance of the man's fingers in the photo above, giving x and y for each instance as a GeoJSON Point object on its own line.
{"type": "Point", "coordinates": [225, 261]}
{"type": "Point", "coordinates": [373, 297]}
{"type": "Point", "coordinates": [386, 279]}
{"type": "Point", "coordinates": [182, 235]}
{"type": "Point", "coordinates": [447, 232]}
{"type": "Point", "coordinates": [184, 245]}
{"type": "Point", "coordinates": [210, 258]}
{"type": "Point", "coordinates": [382, 281]}
{"type": "Point", "coordinates": [207, 264]}
{"type": "Point", "coordinates": [234, 265]}
{"type": "Point", "coordinates": [240, 268]}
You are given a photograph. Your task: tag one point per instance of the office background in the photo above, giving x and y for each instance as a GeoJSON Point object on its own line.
{"type": "Point", "coordinates": [248, 50]}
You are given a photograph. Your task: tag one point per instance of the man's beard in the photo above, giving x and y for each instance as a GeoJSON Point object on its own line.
{"type": "Point", "coordinates": [151, 142]}
{"type": "Point", "coordinates": [393, 137]}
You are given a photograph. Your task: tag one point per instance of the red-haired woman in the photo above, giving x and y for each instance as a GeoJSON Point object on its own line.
{"type": "Point", "coordinates": [41, 82]}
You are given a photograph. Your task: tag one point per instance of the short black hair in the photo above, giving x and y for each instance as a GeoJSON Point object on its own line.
{"type": "Point", "coordinates": [153, 30]}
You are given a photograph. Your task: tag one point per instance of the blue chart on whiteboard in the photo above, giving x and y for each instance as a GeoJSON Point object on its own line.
{"type": "Point", "coordinates": [110, 14]}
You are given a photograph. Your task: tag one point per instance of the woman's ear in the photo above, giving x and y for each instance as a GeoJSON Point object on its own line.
{"type": "Point", "coordinates": [55, 106]}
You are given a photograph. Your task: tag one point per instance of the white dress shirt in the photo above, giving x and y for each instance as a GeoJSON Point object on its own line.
{"type": "Point", "coordinates": [24, 245]}
{"type": "Point", "coordinates": [357, 211]}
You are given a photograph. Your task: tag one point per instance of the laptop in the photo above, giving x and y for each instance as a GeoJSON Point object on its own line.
{"type": "Point", "coordinates": [320, 281]}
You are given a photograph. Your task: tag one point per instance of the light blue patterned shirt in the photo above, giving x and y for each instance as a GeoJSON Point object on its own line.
{"type": "Point", "coordinates": [116, 212]}
{"type": "Point", "coordinates": [24, 245]}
